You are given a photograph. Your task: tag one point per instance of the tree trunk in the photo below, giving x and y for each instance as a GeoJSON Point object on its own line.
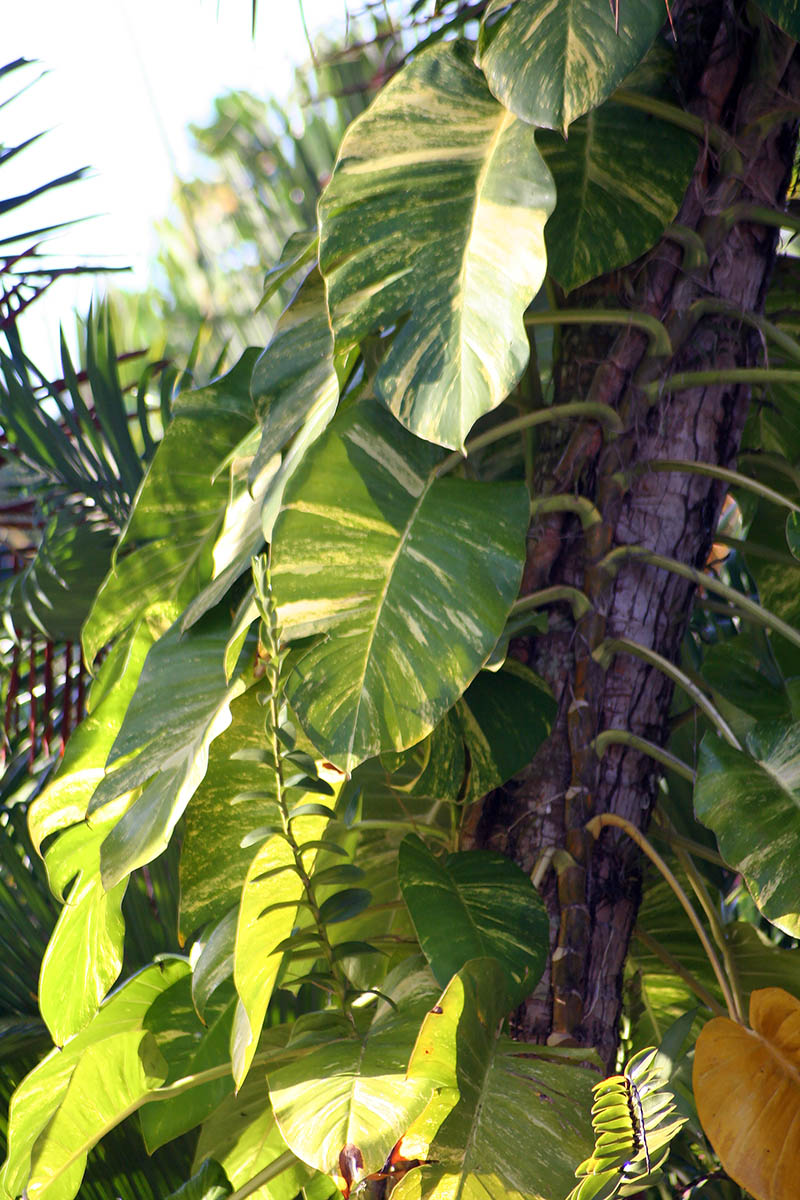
{"type": "Point", "coordinates": [592, 890]}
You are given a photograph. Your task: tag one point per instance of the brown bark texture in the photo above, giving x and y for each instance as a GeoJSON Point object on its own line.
{"type": "Point", "coordinates": [732, 75]}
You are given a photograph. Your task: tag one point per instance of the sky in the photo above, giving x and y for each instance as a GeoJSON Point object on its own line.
{"type": "Point", "coordinates": [123, 80]}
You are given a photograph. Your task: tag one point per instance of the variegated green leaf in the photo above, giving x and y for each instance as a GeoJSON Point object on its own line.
{"type": "Point", "coordinates": [620, 178]}
{"type": "Point", "coordinates": [551, 61]}
{"type": "Point", "coordinates": [234, 798]}
{"type": "Point", "coordinates": [411, 577]}
{"type": "Point", "coordinates": [433, 221]}
{"type": "Point", "coordinates": [108, 1083]}
{"type": "Point", "coordinates": [42, 1092]}
{"type": "Point", "coordinates": [272, 884]}
{"type": "Point", "coordinates": [181, 705]}
{"type": "Point", "coordinates": [731, 786]}
{"type": "Point", "coordinates": [475, 904]}
{"type": "Point", "coordinates": [243, 1137]}
{"type": "Point", "coordinates": [84, 956]}
{"type": "Point", "coordinates": [166, 551]}
{"type": "Point", "coordinates": [295, 373]}
{"type": "Point", "coordinates": [506, 1121]}
{"type": "Point", "coordinates": [350, 1085]}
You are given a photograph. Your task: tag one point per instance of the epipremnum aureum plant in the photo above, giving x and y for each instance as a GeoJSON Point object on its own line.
{"type": "Point", "coordinates": [416, 628]}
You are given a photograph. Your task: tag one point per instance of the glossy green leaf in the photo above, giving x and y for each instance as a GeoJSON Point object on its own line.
{"type": "Point", "coordinates": [411, 576]}
{"type": "Point", "coordinates": [181, 705]}
{"type": "Point", "coordinates": [551, 61]}
{"type": "Point", "coordinates": [213, 863]}
{"type": "Point", "coordinates": [212, 959]}
{"type": "Point", "coordinates": [295, 374]}
{"type": "Point", "coordinates": [210, 1183]}
{"type": "Point", "coordinates": [731, 786]}
{"type": "Point", "coordinates": [165, 552]}
{"type": "Point", "coordinates": [84, 955]}
{"type": "Point", "coordinates": [108, 1083]}
{"type": "Point", "coordinates": [189, 1049]}
{"type": "Point", "coordinates": [475, 904]}
{"type": "Point", "coordinates": [433, 221]}
{"type": "Point", "coordinates": [344, 905]}
{"type": "Point", "coordinates": [785, 14]}
{"type": "Point", "coordinates": [350, 1086]}
{"type": "Point", "coordinates": [41, 1094]}
{"type": "Point", "coordinates": [504, 717]}
{"type": "Point", "coordinates": [620, 178]}
{"type": "Point", "coordinates": [243, 1137]}
{"type": "Point", "coordinates": [256, 959]}
{"type": "Point", "coordinates": [505, 1120]}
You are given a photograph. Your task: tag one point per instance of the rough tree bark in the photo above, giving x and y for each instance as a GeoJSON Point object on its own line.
{"type": "Point", "coordinates": [592, 890]}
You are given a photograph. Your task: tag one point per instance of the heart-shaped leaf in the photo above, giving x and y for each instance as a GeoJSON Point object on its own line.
{"type": "Point", "coordinates": [475, 904]}
{"type": "Point", "coordinates": [434, 221]}
{"type": "Point", "coordinates": [747, 1088]}
{"type": "Point", "coordinates": [505, 1119]}
{"type": "Point", "coordinates": [731, 785]}
{"type": "Point", "coordinates": [551, 61]}
{"type": "Point", "coordinates": [411, 576]}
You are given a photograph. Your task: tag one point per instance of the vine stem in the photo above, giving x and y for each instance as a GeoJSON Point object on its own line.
{"type": "Point", "coordinates": [602, 413]}
{"type": "Point", "coordinates": [598, 823]}
{"type": "Point", "coordinates": [607, 649]}
{"type": "Point", "coordinates": [670, 961]}
{"type": "Point", "coordinates": [580, 505]}
{"type": "Point", "coordinates": [623, 737]}
{"type": "Point", "coordinates": [701, 892]}
{"type": "Point", "coordinates": [660, 343]}
{"type": "Point", "coordinates": [735, 478]}
{"type": "Point", "coordinates": [581, 605]}
{"type": "Point", "coordinates": [683, 380]}
{"type": "Point", "coordinates": [761, 615]}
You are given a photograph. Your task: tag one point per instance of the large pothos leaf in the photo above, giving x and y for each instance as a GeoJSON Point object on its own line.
{"type": "Point", "coordinates": [747, 1086]}
{"type": "Point", "coordinates": [181, 705]}
{"type": "Point", "coordinates": [42, 1151]}
{"type": "Point", "coordinates": [84, 955]}
{"type": "Point", "coordinates": [295, 392]}
{"type": "Point", "coordinates": [504, 717]}
{"type": "Point", "coordinates": [242, 1136]}
{"type": "Point", "coordinates": [165, 553]}
{"type": "Point", "coordinates": [411, 576]}
{"type": "Point", "coordinates": [110, 1080]}
{"type": "Point", "coordinates": [235, 798]}
{"type": "Point", "coordinates": [551, 61]}
{"type": "Point", "coordinates": [620, 178]}
{"type": "Point", "coordinates": [475, 904]}
{"type": "Point", "coordinates": [763, 778]}
{"type": "Point", "coordinates": [295, 373]}
{"type": "Point", "coordinates": [505, 1120]}
{"type": "Point", "coordinates": [272, 895]}
{"type": "Point", "coordinates": [350, 1086]}
{"type": "Point", "coordinates": [433, 221]}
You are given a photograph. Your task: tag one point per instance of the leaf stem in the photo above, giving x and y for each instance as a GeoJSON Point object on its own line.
{"type": "Point", "coordinates": [683, 380]}
{"type": "Point", "coordinates": [613, 737]}
{"type": "Point", "coordinates": [603, 413]}
{"type": "Point", "coordinates": [735, 478]}
{"type": "Point", "coordinates": [701, 892]}
{"type": "Point", "coordinates": [660, 343]}
{"type": "Point", "coordinates": [581, 605]}
{"type": "Point", "coordinates": [672, 962]}
{"type": "Point", "coordinates": [582, 505]}
{"type": "Point", "coordinates": [601, 821]}
{"type": "Point", "coordinates": [611, 646]}
{"type": "Point", "coordinates": [759, 614]}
